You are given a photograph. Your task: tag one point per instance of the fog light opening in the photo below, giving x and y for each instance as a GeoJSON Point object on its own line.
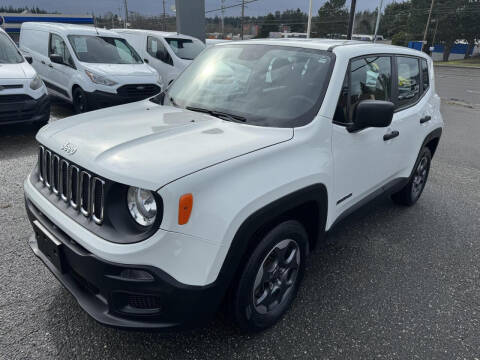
{"type": "Point", "coordinates": [135, 274]}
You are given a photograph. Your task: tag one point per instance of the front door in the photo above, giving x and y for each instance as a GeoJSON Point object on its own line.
{"type": "Point", "coordinates": [60, 75]}
{"type": "Point", "coordinates": [160, 59]}
{"type": "Point", "coordinates": [362, 159]}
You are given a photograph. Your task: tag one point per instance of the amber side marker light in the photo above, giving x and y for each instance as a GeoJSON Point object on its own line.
{"type": "Point", "coordinates": [185, 205]}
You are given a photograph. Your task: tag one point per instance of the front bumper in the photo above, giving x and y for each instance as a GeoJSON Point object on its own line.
{"type": "Point", "coordinates": [25, 109]}
{"type": "Point", "coordinates": [159, 303]}
{"type": "Point", "coordinates": [101, 99]}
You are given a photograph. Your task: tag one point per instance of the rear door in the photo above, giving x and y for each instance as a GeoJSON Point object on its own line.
{"type": "Point", "coordinates": [412, 110]}
{"type": "Point", "coordinates": [362, 159]}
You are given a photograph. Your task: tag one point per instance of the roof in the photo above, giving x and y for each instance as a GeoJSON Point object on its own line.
{"type": "Point", "coordinates": [155, 32]}
{"type": "Point", "coordinates": [69, 29]}
{"type": "Point", "coordinates": [350, 48]}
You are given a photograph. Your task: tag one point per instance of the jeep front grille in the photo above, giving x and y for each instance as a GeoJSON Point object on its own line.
{"type": "Point", "coordinates": [77, 187]}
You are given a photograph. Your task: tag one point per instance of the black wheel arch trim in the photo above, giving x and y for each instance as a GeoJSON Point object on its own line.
{"type": "Point", "coordinates": [433, 135]}
{"type": "Point", "coordinates": [245, 237]}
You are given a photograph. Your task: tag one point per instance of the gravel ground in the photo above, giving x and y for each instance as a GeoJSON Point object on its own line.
{"type": "Point", "coordinates": [389, 282]}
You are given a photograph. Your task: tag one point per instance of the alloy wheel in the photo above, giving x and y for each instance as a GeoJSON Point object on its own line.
{"type": "Point", "coordinates": [276, 276]}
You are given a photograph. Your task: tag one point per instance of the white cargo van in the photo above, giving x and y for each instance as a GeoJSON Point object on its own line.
{"type": "Point", "coordinates": [87, 66]}
{"type": "Point", "coordinates": [23, 96]}
{"type": "Point", "coordinates": [168, 53]}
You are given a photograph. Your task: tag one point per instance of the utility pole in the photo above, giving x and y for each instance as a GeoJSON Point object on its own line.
{"type": "Point", "coordinates": [223, 15]}
{"type": "Point", "coordinates": [351, 19]}
{"type": "Point", "coordinates": [378, 21]}
{"type": "Point", "coordinates": [309, 25]}
{"type": "Point", "coordinates": [164, 18]}
{"type": "Point", "coordinates": [428, 23]}
{"type": "Point", "coordinates": [243, 15]}
{"type": "Point", "coordinates": [126, 14]}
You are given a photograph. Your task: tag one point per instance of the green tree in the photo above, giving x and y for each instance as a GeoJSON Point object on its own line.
{"type": "Point", "coordinates": [332, 19]}
{"type": "Point", "coordinates": [296, 19]}
{"type": "Point", "coordinates": [469, 21]}
{"type": "Point", "coordinates": [269, 25]}
{"type": "Point", "coordinates": [394, 19]}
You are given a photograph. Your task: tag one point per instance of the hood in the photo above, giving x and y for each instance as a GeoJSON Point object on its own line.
{"type": "Point", "coordinates": [16, 71]}
{"type": "Point", "coordinates": [120, 69]}
{"type": "Point", "coordinates": [147, 145]}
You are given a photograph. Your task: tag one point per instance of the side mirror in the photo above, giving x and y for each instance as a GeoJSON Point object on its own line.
{"type": "Point", "coordinates": [372, 113]}
{"type": "Point", "coordinates": [57, 59]}
{"type": "Point", "coordinates": [29, 59]}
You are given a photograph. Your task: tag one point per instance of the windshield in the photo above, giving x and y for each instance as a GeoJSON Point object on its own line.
{"type": "Point", "coordinates": [103, 50]}
{"type": "Point", "coordinates": [277, 86]}
{"type": "Point", "coordinates": [187, 49]}
{"type": "Point", "coordinates": [8, 52]}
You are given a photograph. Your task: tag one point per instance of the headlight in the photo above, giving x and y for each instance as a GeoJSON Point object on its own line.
{"type": "Point", "coordinates": [36, 83]}
{"type": "Point", "coordinates": [98, 79]}
{"type": "Point", "coordinates": [142, 206]}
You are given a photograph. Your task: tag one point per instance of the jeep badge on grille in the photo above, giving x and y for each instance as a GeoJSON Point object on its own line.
{"type": "Point", "coordinates": [69, 148]}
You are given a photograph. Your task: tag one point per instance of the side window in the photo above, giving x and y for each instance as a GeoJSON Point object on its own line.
{"type": "Point", "coordinates": [425, 77]}
{"type": "Point", "coordinates": [370, 79]}
{"type": "Point", "coordinates": [408, 80]}
{"type": "Point", "coordinates": [156, 49]}
{"type": "Point", "coordinates": [57, 46]}
{"type": "Point", "coordinates": [124, 51]}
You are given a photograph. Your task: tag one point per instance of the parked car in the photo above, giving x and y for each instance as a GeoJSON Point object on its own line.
{"type": "Point", "coordinates": [219, 193]}
{"type": "Point", "coordinates": [212, 42]}
{"type": "Point", "coordinates": [168, 53]}
{"type": "Point", "coordinates": [23, 96]}
{"type": "Point", "coordinates": [86, 66]}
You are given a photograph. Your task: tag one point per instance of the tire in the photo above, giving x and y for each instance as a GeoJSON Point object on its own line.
{"type": "Point", "coordinates": [414, 188]}
{"type": "Point", "coordinates": [271, 277]}
{"type": "Point", "coordinates": [80, 101]}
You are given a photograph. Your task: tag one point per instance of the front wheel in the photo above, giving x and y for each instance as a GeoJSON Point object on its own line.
{"type": "Point", "coordinates": [271, 278]}
{"type": "Point", "coordinates": [414, 188]}
{"type": "Point", "coordinates": [80, 101]}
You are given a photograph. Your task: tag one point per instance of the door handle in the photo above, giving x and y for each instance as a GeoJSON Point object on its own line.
{"type": "Point", "coordinates": [50, 65]}
{"type": "Point", "coordinates": [425, 119]}
{"type": "Point", "coordinates": [391, 135]}
{"type": "Point", "coordinates": [43, 62]}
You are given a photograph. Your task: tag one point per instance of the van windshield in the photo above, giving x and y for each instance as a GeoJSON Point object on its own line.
{"type": "Point", "coordinates": [103, 50]}
{"type": "Point", "coordinates": [264, 85]}
{"type": "Point", "coordinates": [187, 49]}
{"type": "Point", "coordinates": [8, 52]}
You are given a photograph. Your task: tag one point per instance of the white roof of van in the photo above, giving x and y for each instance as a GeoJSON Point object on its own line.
{"type": "Point", "coordinates": [69, 29]}
{"type": "Point", "coordinates": [154, 32]}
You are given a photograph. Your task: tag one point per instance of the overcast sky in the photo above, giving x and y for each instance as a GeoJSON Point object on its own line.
{"type": "Point", "coordinates": [154, 7]}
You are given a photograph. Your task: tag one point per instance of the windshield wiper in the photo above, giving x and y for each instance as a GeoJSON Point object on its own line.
{"type": "Point", "coordinates": [219, 114]}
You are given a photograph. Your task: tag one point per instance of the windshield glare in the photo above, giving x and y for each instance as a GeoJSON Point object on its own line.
{"type": "Point", "coordinates": [8, 52]}
{"type": "Point", "coordinates": [103, 50]}
{"type": "Point", "coordinates": [276, 86]}
{"type": "Point", "coordinates": [187, 49]}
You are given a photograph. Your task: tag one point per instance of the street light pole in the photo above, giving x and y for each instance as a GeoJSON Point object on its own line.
{"type": "Point", "coordinates": [378, 21]}
{"type": "Point", "coordinates": [309, 26]}
{"type": "Point", "coordinates": [428, 23]}
{"type": "Point", "coordinates": [352, 17]}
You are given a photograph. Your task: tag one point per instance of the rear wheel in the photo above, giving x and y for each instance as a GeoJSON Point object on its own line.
{"type": "Point", "coordinates": [270, 280]}
{"type": "Point", "coordinates": [80, 101]}
{"type": "Point", "coordinates": [414, 188]}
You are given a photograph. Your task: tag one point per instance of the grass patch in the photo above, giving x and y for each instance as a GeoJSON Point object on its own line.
{"type": "Point", "coordinates": [470, 62]}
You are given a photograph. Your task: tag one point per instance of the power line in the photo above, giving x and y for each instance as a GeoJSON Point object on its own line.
{"type": "Point", "coordinates": [231, 6]}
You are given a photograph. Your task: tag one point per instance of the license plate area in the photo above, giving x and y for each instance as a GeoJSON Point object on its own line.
{"type": "Point", "coordinates": [49, 245]}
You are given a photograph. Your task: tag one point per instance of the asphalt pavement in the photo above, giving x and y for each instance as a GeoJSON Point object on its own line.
{"type": "Point", "coordinates": [389, 283]}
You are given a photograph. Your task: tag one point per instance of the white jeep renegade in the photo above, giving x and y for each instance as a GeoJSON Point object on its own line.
{"type": "Point", "coordinates": [154, 213]}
